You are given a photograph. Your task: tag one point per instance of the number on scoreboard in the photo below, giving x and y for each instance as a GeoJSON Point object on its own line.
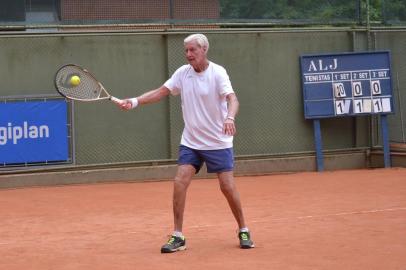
{"type": "Point", "coordinates": [376, 87]}
{"type": "Point", "coordinates": [377, 103]}
{"type": "Point", "coordinates": [342, 106]}
{"type": "Point", "coordinates": [356, 89]}
{"type": "Point", "coordinates": [358, 106]}
{"type": "Point", "coordinates": [339, 90]}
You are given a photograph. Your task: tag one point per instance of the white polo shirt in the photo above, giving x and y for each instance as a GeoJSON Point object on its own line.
{"type": "Point", "coordinates": [204, 105]}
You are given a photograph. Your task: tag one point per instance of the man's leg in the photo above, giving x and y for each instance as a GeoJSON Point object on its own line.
{"type": "Point", "coordinates": [182, 181]}
{"type": "Point", "coordinates": [229, 190]}
{"type": "Point", "coordinates": [227, 186]}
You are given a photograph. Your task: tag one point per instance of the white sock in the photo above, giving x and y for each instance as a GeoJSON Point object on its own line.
{"type": "Point", "coordinates": [245, 229]}
{"type": "Point", "coordinates": [177, 234]}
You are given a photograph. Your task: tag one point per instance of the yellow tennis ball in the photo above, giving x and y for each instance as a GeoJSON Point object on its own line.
{"type": "Point", "coordinates": [75, 80]}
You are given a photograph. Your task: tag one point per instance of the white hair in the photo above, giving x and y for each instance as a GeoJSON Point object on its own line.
{"type": "Point", "coordinates": [200, 39]}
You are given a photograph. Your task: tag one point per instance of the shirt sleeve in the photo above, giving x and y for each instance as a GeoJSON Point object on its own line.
{"type": "Point", "coordinates": [174, 83]}
{"type": "Point", "coordinates": [223, 82]}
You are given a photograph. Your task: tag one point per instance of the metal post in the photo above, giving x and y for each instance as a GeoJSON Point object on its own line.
{"type": "Point", "coordinates": [400, 108]}
{"type": "Point", "coordinates": [359, 12]}
{"type": "Point", "coordinates": [383, 11]}
{"type": "Point", "coordinates": [171, 9]}
{"type": "Point", "coordinates": [319, 145]}
{"type": "Point", "coordinates": [385, 141]}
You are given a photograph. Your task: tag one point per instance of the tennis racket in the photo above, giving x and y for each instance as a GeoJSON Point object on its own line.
{"type": "Point", "coordinates": [76, 83]}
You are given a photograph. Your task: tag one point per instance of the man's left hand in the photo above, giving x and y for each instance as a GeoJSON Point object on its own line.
{"type": "Point", "coordinates": [229, 127]}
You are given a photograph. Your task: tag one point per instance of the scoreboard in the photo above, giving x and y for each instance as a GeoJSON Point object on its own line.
{"type": "Point", "coordinates": [346, 84]}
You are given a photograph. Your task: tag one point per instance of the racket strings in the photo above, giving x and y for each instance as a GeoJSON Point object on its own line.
{"type": "Point", "coordinates": [87, 89]}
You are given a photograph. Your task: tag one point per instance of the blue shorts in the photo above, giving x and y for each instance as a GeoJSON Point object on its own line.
{"type": "Point", "coordinates": [217, 161]}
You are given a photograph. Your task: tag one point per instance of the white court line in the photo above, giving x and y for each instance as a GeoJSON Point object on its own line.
{"type": "Point", "coordinates": [313, 216]}
{"type": "Point", "coordinates": [344, 214]}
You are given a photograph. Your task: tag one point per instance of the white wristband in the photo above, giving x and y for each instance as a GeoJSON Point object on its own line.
{"type": "Point", "coordinates": [134, 103]}
{"type": "Point", "coordinates": [231, 118]}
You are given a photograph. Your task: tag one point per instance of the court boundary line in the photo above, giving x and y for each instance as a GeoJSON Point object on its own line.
{"type": "Point", "coordinates": [374, 211]}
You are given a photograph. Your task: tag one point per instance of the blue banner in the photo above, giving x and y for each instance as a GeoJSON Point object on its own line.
{"type": "Point", "coordinates": [34, 132]}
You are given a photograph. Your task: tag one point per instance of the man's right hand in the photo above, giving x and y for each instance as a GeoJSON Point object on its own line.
{"type": "Point", "coordinates": [126, 105]}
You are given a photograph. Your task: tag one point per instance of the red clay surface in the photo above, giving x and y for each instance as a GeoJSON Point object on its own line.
{"type": "Point", "coordinates": [331, 220]}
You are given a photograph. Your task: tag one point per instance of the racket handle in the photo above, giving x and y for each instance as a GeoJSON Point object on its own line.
{"type": "Point", "coordinates": [116, 100]}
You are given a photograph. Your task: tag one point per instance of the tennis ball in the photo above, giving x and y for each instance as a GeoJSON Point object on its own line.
{"type": "Point", "coordinates": [75, 80]}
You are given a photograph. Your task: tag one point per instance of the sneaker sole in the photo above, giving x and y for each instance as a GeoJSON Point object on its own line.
{"type": "Point", "coordinates": [247, 247]}
{"type": "Point", "coordinates": [173, 250]}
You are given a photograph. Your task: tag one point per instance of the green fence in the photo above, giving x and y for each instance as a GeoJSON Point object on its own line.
{"type": "Point", "coordinates": [264, 70]}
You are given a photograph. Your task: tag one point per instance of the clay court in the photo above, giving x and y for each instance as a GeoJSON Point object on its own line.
{"type": "Point", "coordinates": [351, 219]}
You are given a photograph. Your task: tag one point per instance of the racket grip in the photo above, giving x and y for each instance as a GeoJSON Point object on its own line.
{"type": "Point", "coordinates": [116, 100]}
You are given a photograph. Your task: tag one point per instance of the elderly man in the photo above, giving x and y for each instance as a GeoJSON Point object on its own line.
{"type": "Point", "coordinates": [209, 107]}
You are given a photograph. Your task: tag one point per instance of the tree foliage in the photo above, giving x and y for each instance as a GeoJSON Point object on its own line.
{"type": "Point", "coordinates": [314, 10]}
